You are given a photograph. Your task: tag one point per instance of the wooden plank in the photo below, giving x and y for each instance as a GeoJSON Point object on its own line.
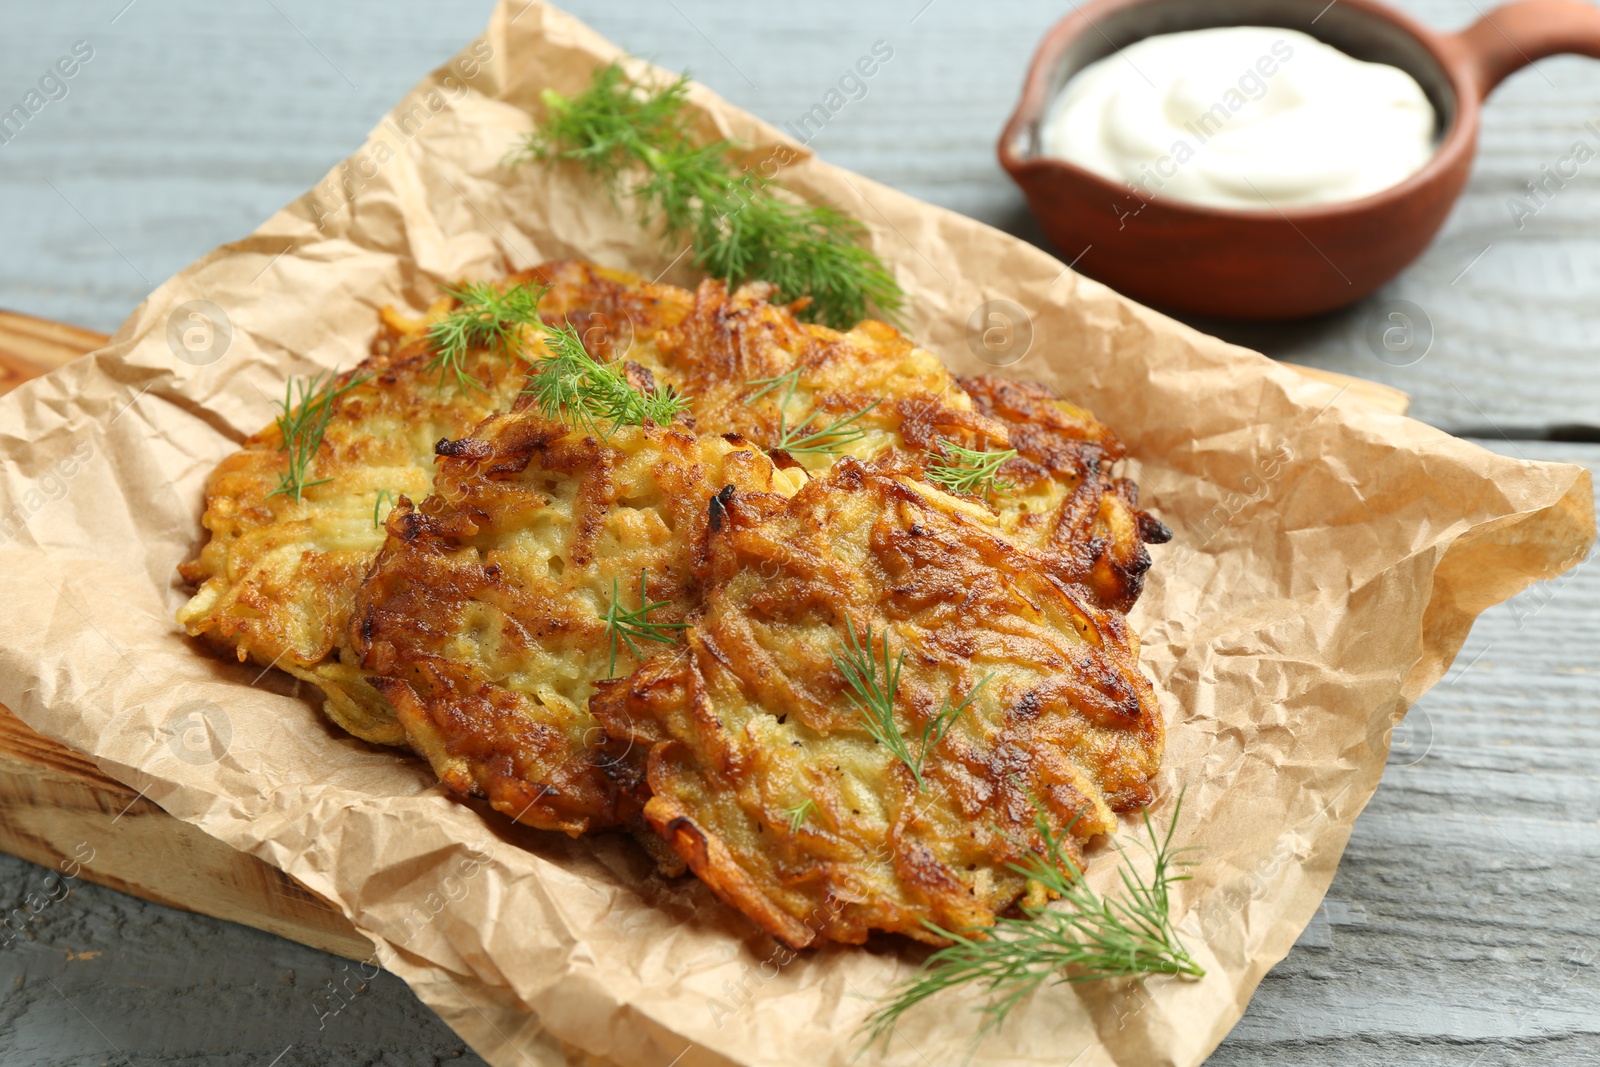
{"type": "Point", "coordinates": [1466, 953]}
{"type": "Point", "coordinates": [1510, 310]}
{"type": "Point", "coordinates": [1512, 330]}
{"type": "Point", "coordinates": [30, 347]}
{"type": "Point", "coordinates": [55, 804]}
{"type": "Point", "coordinates": [941, 148]}
{"type": "Point", "coordinates": [59, 811]}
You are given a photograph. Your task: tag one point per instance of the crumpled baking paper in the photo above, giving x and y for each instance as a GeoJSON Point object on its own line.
{"type": "Point", "coordinates": [1327, 564]}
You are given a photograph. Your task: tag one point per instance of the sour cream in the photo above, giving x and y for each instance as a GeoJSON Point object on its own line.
{"type": "Point", "coordinates": [1242, 117]}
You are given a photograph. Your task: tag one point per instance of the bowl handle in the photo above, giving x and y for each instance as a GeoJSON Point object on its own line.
{"type": "Point", "coordinates": [1514, 35]}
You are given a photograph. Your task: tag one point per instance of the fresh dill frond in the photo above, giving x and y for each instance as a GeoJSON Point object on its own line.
{"type": "Point", "coordinates": [1080, 938]}
{"type": "Point", "coordinates": [874, 696]}
{"type": "Point", "coordinates": [663, 405]}
{"type": "Point", "coordinates": [874, 699]}
{"type": "Point", "coordinates": [569, 385]}
{"type": "Point", "coordinates": [628, 625]}
{"type": "Point", "coordinates": [942, 720]}
{"type": "Point", "coordinates": [807, 437]}
{"type": "Point", "coordinates": [303, 421]}
{"type": "Point", "coordinates": [803, 249]}
{"type": "Point", "coordinates": [638, 139]}
{"type": "Point", "coordinates": [787, 382]}
{"type": "Point", "coordinates": [383, 494]}
{"type": "Point", "coordinates": [967, 470]}
{"type": "Point", "coordinates": [797, 814]}
{"type": "Point", "coordinates": [485, 317]}
{"type": "Point", "coordinates": [572, 386]}
{"type": "Point", "coordinates": [611, 125]}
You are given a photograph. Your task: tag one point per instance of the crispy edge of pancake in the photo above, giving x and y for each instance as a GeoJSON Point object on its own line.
{"type": "Point", "coordinates": [712, 344]}
{"type": "Point", "coordinates": [1076, 730]}
{"type": "Point", "coordinates": [730, 349]}
{"type": "Point", "coordinates": [465, 608]}
{"type": "Point", "coordinates": [243, 603]}
{"type": "Point", "coordinates": [1068, 505]}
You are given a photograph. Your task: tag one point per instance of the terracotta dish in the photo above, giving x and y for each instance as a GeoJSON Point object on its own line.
{"type": "Point", "coordinates": [1272, 264]}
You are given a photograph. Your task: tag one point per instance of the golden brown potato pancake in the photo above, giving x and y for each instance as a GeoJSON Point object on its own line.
{"type": "Point", "coordinates": [722, 350]}
{"type": "Point", "coordinates": [278, 577]}
{"type": "Point", "coordinates": [766, 780]}
{"type": "Point", "coordinates": [485, 633]}
{"type": "Point", "coordinates": [484, 621]}
{"type": "Point", "coordinates": [729, 354]}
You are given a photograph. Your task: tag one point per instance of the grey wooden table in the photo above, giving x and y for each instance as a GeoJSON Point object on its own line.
{"type": "Point", "coordinates": [1462, 925]}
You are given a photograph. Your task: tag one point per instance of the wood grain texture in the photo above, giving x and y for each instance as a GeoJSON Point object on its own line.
{"type": "Point", "coordinates": [59, 811]}
{"type": "Point", "coordinates": [1459, 929]}
{"type": "Point", "coordinates": [30, 346]}
{"type": "Point", "coordinates": [1507, 323]}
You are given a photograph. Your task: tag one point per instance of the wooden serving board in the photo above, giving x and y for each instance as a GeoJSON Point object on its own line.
{"type": "Point", "coordinates": [57, 808]}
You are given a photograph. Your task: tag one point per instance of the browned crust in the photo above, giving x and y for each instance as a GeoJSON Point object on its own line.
{"type": "Point", "coordinates": [456, 614]}
{"type": "Point", "coordinates": [719, 869]}
{"type": "Point", "coordinates": [1095, 535]}
{"type": "Point", "coordinates": [753, 715]}
{"type": "Point", "coordinates": [611, 309]}
{"type": "Point", "coordinates": [277, 579]}
{"type": "Point", "coordinates": [483, 617]}
{"type": "Point", "coordinates": [713, 346]}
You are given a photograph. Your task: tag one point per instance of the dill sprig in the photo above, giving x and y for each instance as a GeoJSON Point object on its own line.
{"type": "Point", "coordinates": [383, 494]}
{"type": "Point", "coordinates": [302, 423]}
{"type": "Point", "coordinates": [797, 814]}
{"type": "Point", "coordinates": [571, 385]}
{"type": "Point", "coordinates": [1083, 937]}
{"type": "Point", "coordinates": [967, 470]}
{"type": "Point", "coordinates": [638, 138]}
{"type": "Point", "coordinates": [485, 317]}
{"type": "Point", "coordinates": [943, 719]}
{"type": "Point", "coordinates": [872, 696]}
{"type": "Point", "coordinates": [610, 125]}
{"type": "Point", "coordinates": [787, 382]}
{"type": "Point", "coordinates": [807, 437]}
{"type": "Point", "coordinates": [874, 699]}
{"type": "Point", "coordinates": [627, 625]}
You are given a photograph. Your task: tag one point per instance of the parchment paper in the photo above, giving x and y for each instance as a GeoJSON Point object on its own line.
{"type": "Point", "coordinates": [1327, 564]}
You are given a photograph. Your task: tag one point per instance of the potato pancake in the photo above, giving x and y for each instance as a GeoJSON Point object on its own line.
{"type": "Point", "coordinates": [749, 366]}
{"type": "Point", "coordinates": [772, 633]}
{"type": "Point", "coordinates": [545, 562]}
{"type": "Point", "coordinates": [764, 774]}
{"type": "Point", "coordinates": [815, 394]}
{"type": "Point", "coordinates": [278, 578]}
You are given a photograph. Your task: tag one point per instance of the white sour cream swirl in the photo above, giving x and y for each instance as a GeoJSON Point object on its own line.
{"type": "Point", "coordinates": [1250, 117]}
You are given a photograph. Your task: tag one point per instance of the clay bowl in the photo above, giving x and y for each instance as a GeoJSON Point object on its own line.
{"type": "Point", "coordinates": [1271, 264]}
